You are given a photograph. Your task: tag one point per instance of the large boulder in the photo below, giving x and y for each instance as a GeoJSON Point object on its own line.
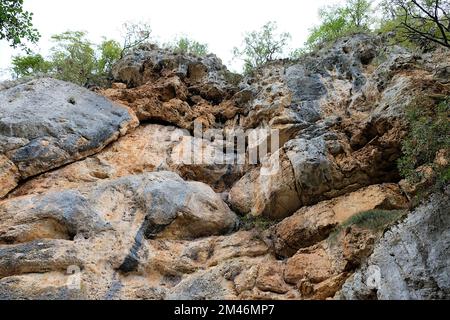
{"type": "Point", "coordinates": [310, 225]}
{"type": "Point", "coordinates": [170, 206]}
{"type": "Point", "coordinates": [46, 123]}
{"type": "Point", "coordinates": [103, 230]}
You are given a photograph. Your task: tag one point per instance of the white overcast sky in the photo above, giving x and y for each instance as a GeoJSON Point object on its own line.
{"type": "Point", "coordinates": [220, 23]}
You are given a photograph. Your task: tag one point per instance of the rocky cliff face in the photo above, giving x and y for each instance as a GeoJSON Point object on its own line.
{"type": "Point", "coordinates": [96, 204]}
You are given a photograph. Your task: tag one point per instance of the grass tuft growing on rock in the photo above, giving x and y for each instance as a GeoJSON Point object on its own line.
{"type": "Point", "coordinates": [375, 220]}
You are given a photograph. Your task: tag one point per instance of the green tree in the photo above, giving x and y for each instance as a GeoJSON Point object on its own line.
{"type": "Point", "coordinates": [73, 57]}
{"type": "Point", "coordinates": [421, 22]}
{"type": "Point", "coordinates": [337, 21]}
{"type": "Point", "coordinates": [359, 12]}
{"type": "Point", "coordinates": [16, 24]}
{"type": "Point", "coordinates": [184, 45]}
{"type": "Point", "coordinates": [109, 51]}
{"type": "Point", "coordinates": [29, 65]}
{"type": "Point", "coordinates": [260, 47]}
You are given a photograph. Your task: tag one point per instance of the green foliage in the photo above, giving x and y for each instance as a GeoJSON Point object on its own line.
{"type": "Point", "coordinates": [417, 23]}
{"type": "Point", "coordinates": [337, 21]}
{"type": "Point", "coordinates": [16, 24]}
{"type": "Point", "coordinates": [429, 132]}
{"type": "Point", "coordinates": [185, 45]}
{"type": "Point", "coordinates": [397, 36]}
{"type": "Point", "coordinates": [262, 46]}
{"type": "Point", "coordinates": [375, 220]}
{"type": "Point", "coordinates": [73, 57]}
{"type": "Point", "coordinates": [28, 65]}
{"type": "Point", "coordinates": [110, 51]}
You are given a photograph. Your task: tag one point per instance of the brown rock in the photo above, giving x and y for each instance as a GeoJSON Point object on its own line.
{"type": "Point", "coordinates": [311, 225]}
{"type": "Point", "coordinates": [149, 148]}
{"type": "Point", "coordinates": [9, 176]}
{"type": "Point", "coordinates": [270, 278]}
{"type": "Point", "coordinates": [314, 264]}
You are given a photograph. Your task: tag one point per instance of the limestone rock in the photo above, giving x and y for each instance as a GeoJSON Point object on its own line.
{"type": "Point", "coordinates": [341, 122]}
{"type": "Point", "coordinates": [148, 148]}
{"type": "Point", "coordinates": [9, 175]}
{"type": "Point", "coordinates": [311, 225]}
{"type": "Point", "coordinates": [170, 205]}
{"type": "Point", "coordinates": [88, 220]}
{"type": "Point", "coordinates": [176, 88]}
{"type": "Point", "coordinates": [411, 261]}
{"type": "Point", "coordinates": [46, 123]}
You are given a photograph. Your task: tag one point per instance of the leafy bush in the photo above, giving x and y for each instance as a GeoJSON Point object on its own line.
{"type": "Point", "coordinates": [73, 57]}
{"type": "Point", "coordinates": [16, 24]}
{"type": "Point", "coordinates": [429, 132]}
{"type": "Point", "coordinates": [184, 45]}
{"type": "Point", "coordinates": [28, 65]}
{"type": "Point", "coordinates": [110, 51]}
{"type": "Point", "coordinates": [423, 23]}
{"type": "Point", "coordinates": [337, 21]}
{"type": "Point", "coordinates": [260, 47]}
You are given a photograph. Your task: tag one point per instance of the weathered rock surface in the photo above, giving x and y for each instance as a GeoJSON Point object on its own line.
{"type": "Point", "coordinates": [340, 118]}
{"type": "Point", "coordinates": [46, 123]}
{"type": "Point", "coordinates": [169, 204]}
{"type": "Point", "coordinates": [105, 228]}
{"type": "Point", "coordinates": [149, 148]}
{"type": "Point", "coordinates": [88, 220]}
{"type": "Point", "coordinates": [178, 89]}
{"type": "Point", "coordinates": [311, 225]}
{"type": "Point", "coordinates": [412, 259]}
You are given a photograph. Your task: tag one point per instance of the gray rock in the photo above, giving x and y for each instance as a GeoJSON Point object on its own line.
{"type": "Point", "coordinates": [311, 167]}
{"type": "Point", "coordinates": [185, 209]}
{"type": "Point", "coordinates": [208, 285]}
{"type": "Point", "coordinates": [412, 258]}
{"type": "Point", "coordinates": [46, 123]}
{"type": "Point", "coordinates": [305, 86]}
{"type": "Point", "coordinates": [38, 257]}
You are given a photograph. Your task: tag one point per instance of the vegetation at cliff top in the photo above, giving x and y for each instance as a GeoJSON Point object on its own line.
{"type": "Point", "coordinates": [337, 21]}
{"type": "Point", "coordinates": [260, 47]}
{"type": "Point", "coordinates": [419, 24]}
{"type": "Point", "coordinates": [422, 23]}
{"type": "Point", "coordinates": [185, 45]}
{"type": "Point", "coordinates": [75, 59]}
